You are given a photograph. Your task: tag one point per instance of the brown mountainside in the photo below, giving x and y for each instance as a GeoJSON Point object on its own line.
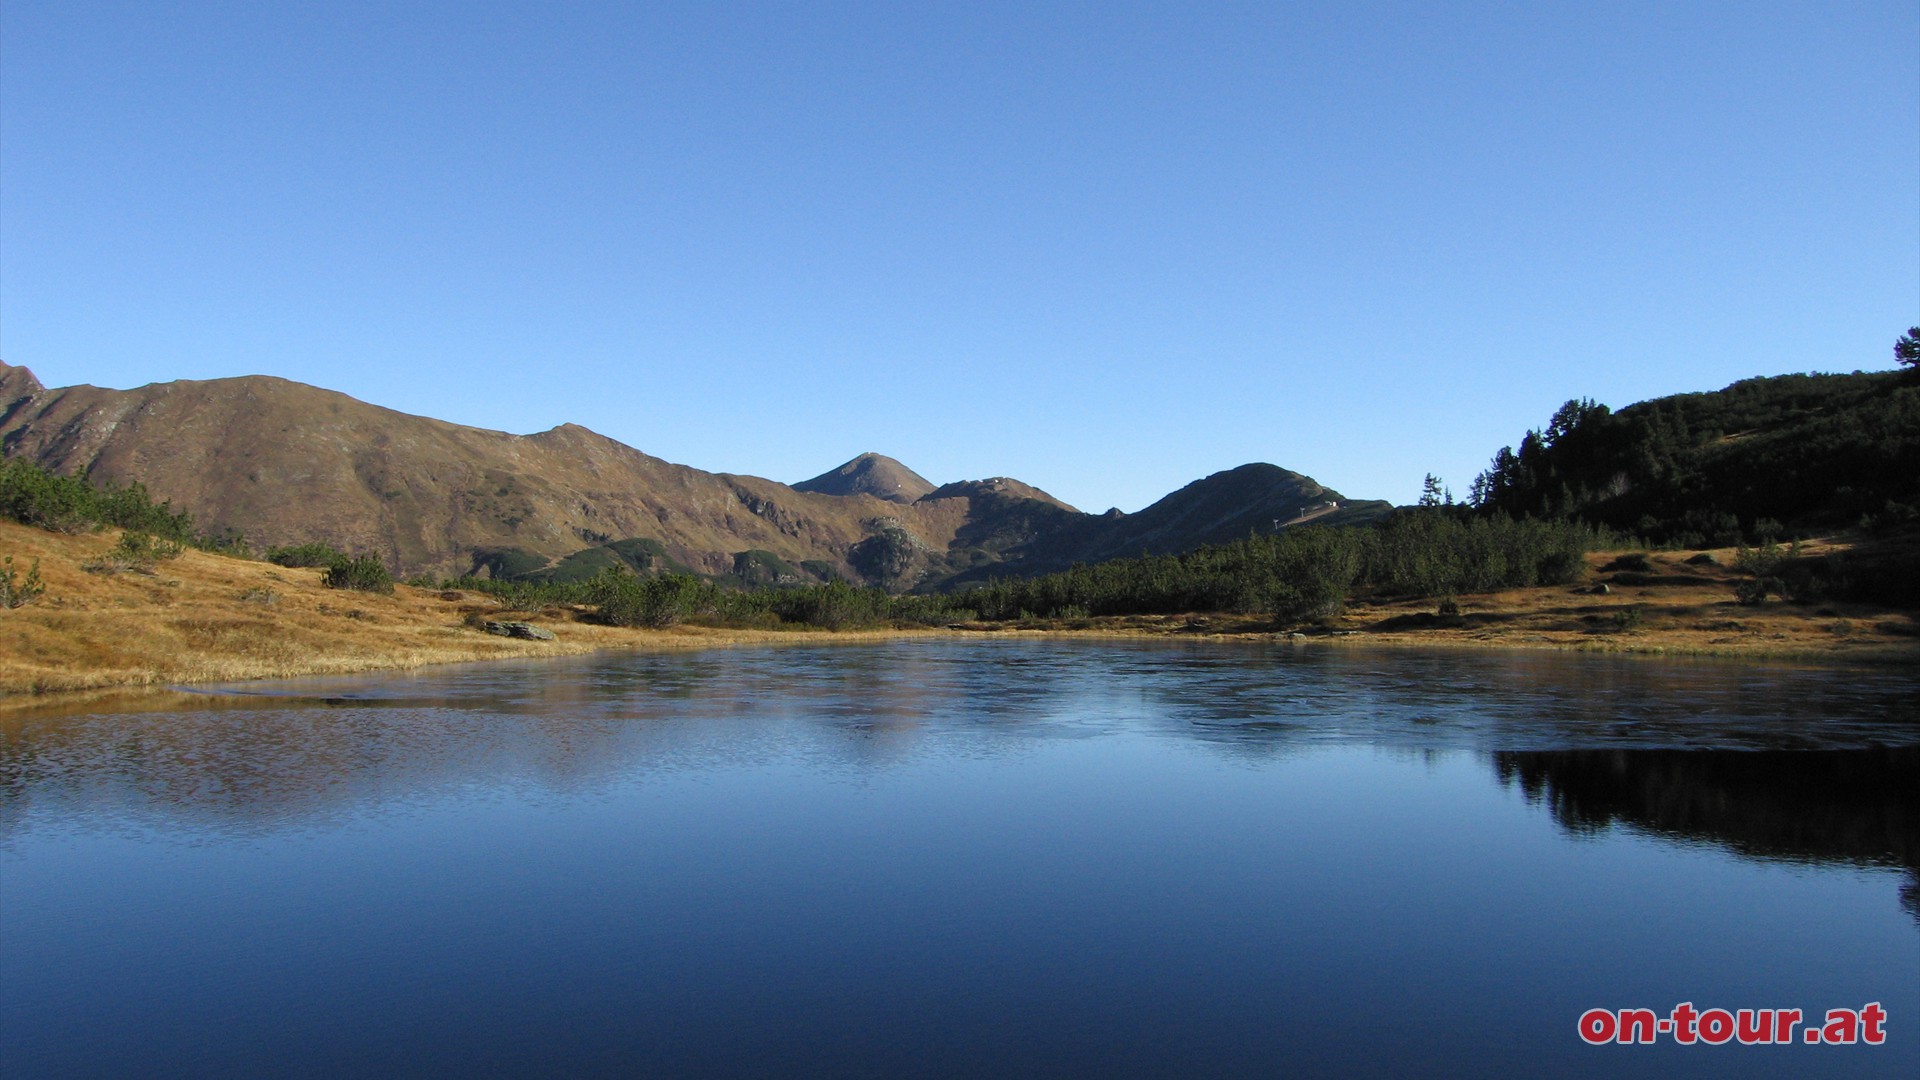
{"type": "Point", "coordinates": [284, 463]}
{"type": "Point", "coordinates": [870, 474]}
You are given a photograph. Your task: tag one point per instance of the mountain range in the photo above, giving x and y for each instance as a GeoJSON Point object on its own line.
{"type": "Point", "coordinates": [283, 463]}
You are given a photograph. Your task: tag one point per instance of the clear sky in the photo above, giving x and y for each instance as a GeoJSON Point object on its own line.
{"type": "Point", "coordinates": [1104, 248]}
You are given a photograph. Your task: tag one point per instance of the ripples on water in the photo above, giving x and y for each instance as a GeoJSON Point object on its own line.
{"type": "Point", "coordinates": [954, 858]}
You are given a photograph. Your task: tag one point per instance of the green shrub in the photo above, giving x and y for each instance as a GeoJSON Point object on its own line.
{"type": "Point", "coordinates": [31, 495]}
{"type": "Point", "coordinates": [136, 552]}
{"type": "Point", "coordinates": [145, 549]}
{"type": "Point", "coordinates": [1763, 561]}
{"type": "Point", "coordinates": [938, 610]}
{"type": "Point", "coordinates": [365, 573]}
{"type": "Point", "coordinates": [230, 543]}
{"type": "Point", "coordinates": [627, 600]}
{"type": "Point", "coordinates": [833, 606]}
{"type": "Point", "coordinates": [17, 590]}
{"type": "Point", "coordinates": [316, 553]}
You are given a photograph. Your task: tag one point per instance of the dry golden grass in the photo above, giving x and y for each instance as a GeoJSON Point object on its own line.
{"type": "Point", "coordinates": [209, 618]}
{"type": "Point", "coordinates": [1676, 609]}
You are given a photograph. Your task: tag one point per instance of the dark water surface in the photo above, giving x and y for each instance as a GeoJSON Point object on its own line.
{"type": "Point", "coordinates": [937, 858]}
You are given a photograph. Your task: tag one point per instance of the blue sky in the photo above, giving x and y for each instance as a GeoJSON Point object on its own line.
{"type": "Point", "coordinates": [1106, 249]}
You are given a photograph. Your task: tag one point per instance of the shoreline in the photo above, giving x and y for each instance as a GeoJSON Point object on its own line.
{"type": "Point", "coordinates": [202, 619]}
{"type": "Point", "coordinates": [1646, 647]}
{"type": "Point", "coordinates": [143, 693]}
{"type": "Point", "coordinates": [134, 687]}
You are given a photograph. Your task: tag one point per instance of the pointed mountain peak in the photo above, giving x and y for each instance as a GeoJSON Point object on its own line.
{"type": "Point", "coordinates": [17, 383]}
{"type": "Point", "coordinates": [870, 474]}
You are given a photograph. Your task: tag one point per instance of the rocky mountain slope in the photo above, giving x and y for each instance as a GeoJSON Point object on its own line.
{"type": "Point", "coordinates": [282, 463]}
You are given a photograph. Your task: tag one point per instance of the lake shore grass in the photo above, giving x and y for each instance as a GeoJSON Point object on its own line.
{"type": "Point", "coordinates": [206, 618]}
{"type": "Point", "coordinates": [202, 618]}
{"type": "Point", "coordinates": [1674, 606]}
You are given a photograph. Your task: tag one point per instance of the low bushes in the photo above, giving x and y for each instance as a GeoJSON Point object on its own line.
{"type": "Point", "coordinates": [306, 555]}
{"type": "Point", "coordinates": [137, 552]}
{"type": "Point", "coordinates": [17, 589]}
{"type": "Point", "coordinates": [627, 600]}
{"type": "Point", "coordinates": [31, 495]}
{"type": "Point", "coordinates": [365, 573]}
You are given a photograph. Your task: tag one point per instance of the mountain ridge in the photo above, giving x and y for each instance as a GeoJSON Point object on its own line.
{"type": "Point", "coordinates": [282, 462]}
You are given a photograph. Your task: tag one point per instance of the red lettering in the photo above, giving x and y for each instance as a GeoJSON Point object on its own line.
{"type": "Point", "coordinates": [1683, 1017]}
{"type": "Point", "coordinates": [1717, 1027]}
{"type": "Point", "coordinates": [1636, 1025]}
{"type": "Point", "coordinates": [1597, 1026]}
{"type": "Point", "coordinates": [1871, 1020]}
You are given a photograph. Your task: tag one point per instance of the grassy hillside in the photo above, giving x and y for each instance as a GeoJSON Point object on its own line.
{"type": "Point", "coordinates": [203, 617]}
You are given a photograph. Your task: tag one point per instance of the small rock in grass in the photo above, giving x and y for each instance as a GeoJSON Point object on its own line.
{"type": "Point", "coordinates": [519, 630]}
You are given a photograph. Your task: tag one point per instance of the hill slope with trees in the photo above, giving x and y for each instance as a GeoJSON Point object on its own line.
{"type": "Point", "coordinates": [1758, 459]}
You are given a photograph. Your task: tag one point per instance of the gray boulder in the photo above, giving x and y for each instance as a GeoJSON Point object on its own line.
{"type": "Point", "coordinates": [519, 630]}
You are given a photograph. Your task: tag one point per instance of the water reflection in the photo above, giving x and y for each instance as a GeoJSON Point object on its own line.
{"type": "Point", "coordinates": [250, 759]}
{"type": "Point", "coordinates": [952, 858]}
{"type": "Point", "coordinates": [1854, 807]}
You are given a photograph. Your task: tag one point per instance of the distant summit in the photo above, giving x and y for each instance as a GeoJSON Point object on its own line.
{"type": "Point", "coordinates": [870, 474]}
{"type": "Point", "coordinates": [1004, 488]}
{"type": "Point", "coordinates": [16, 384]}
{"type": "Point", "coordinates": [1227, 506]}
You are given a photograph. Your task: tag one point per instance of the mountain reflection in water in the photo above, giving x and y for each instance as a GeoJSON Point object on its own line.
{"type": "Point", "coordinates": [1629, 741]}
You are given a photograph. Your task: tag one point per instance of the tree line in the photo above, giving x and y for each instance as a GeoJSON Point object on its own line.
{"type": "Point", "coordinates": [1309, 572]}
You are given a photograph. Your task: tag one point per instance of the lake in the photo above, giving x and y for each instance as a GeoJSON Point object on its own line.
{"type": "Point", "coordinates": [934, 858]}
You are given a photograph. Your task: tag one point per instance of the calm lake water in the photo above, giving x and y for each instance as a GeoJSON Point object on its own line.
{"type": "Point", "coordinates": [941, 858]}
